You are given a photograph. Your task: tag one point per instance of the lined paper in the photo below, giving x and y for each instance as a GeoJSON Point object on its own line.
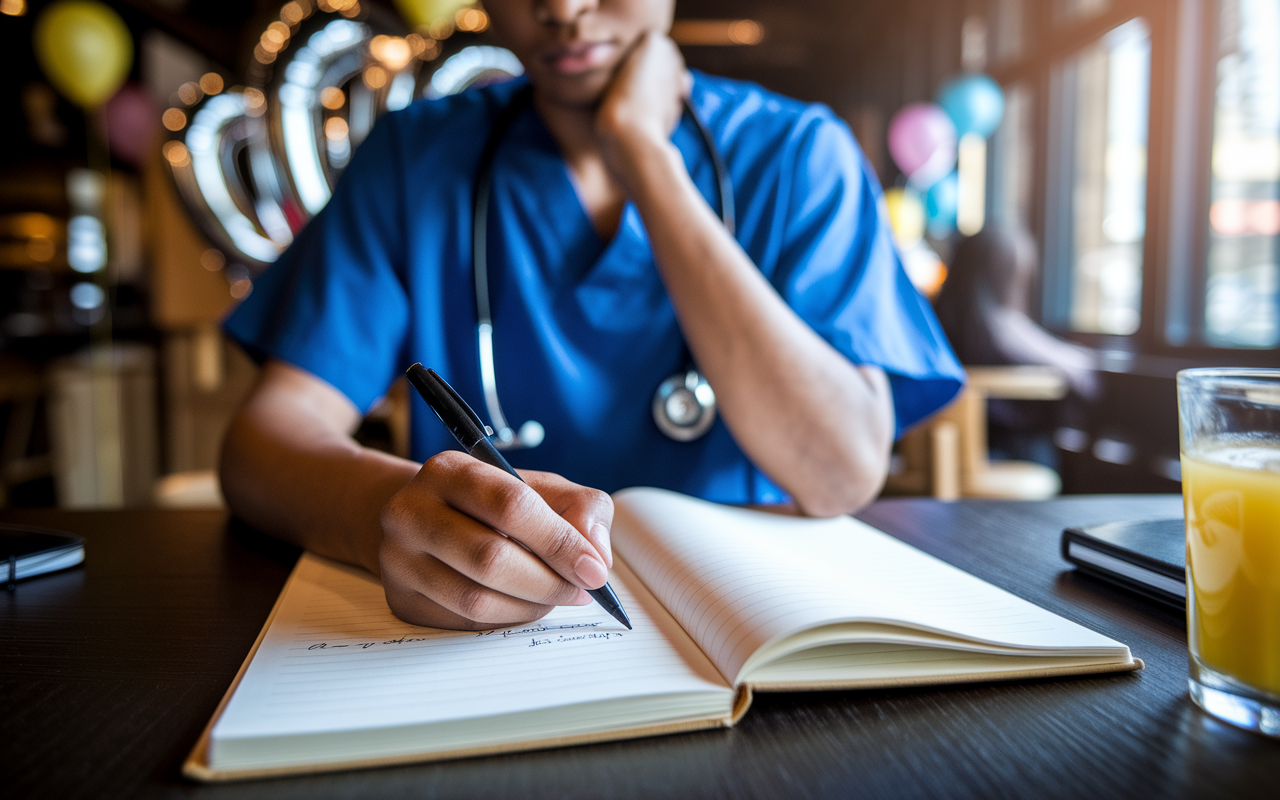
{"type": "Point", "coordinates": [737, 580]}
{"type": "Point", "coordinates": [336, 659]}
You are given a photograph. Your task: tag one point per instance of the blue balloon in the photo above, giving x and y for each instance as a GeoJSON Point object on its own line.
{"type": "Point", "coordinates": [974, 102]}
{"type": "Point", "coordinates": [940, 204]}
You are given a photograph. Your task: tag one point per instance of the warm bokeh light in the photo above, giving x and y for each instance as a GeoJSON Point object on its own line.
{"type": "Point", "coordinates": [240, 289]}
{"type": "Point", "coordinates": [272, 40]}
{"type": "Point", "coordinates": [211, 83]}
{"type": "Point", "coordinates": [440, 29]}
{"type": "Point", "coordinates": [717, 32]}
{"type": "Point", "coordinates": [212, 259]}
{"type": "Point", "coordinates": [375, 77]}
{"type": "Point", "coordinates": [41, 249]}
{"type": "Point", "coordinates": [423, 47]}
{"type": "Point", "coordinates": [33, 225]}
{"type": "Point", "coordinates": [394, 52]}
{"type": "Point", "coordinates": [255, 102]}
{"type": "Point", "coordinates": [332, 98]}
{"type": "Point", "coordinates": [347, 8]}
{"type": "Point", "coordinates": [335, 129]}
{"type": "Point", "coordinates": [189, 93]}
{"type": "Point", "coordinates": [174, 119]}
{"type": "Point", "coordinates": [13, 8]}
{"type": "Point", "coordinates": [471, 20]}
{"type": "Point", "coordinates": [176, 154]}
{"type": "Point", "coordinates": [745, 31]}
{"type": "Point", "coordinates": [292, 13]}
{"type": "Point", "coordinates": [262, 55]}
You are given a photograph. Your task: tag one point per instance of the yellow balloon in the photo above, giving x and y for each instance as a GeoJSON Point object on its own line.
{"type": "Point", "coordinates": [424, 12]}
{"type": "Point", "coordinates": [85, 49]}
{"type": "Point", "coordinates": [906, 215]}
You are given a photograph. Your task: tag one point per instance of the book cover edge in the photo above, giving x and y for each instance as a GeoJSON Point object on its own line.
{"type": "Point", "coordinates": [201, 771]}
{"type": "Point", "coordinates": [1132, 665]}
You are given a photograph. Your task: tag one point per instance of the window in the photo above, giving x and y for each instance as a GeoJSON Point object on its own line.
{"type": "Point", "coordinates": [1105, 90]}
{"type": "Point", "coordinates": [1141, 145]}
{"type": "Point", "coordinates": [1012, 174]}
{"type": "Point", "coordinates": [1094, 227]}
{"type": "Point", "coordinates": [1242, 285]}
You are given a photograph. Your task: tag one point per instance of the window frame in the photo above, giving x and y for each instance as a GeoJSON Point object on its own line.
{"type": "Point", "coordinates": [1180, 138]}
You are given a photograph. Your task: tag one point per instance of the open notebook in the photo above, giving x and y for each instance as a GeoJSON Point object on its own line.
{"type": "Point", "coordinates": [724, 601]}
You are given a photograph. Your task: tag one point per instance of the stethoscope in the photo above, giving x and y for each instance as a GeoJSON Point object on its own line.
{"type": "Point", "coordinates": [684, 405]}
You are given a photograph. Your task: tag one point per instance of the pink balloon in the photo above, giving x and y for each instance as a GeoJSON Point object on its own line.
{"type": "Point", "coordinates": [922, 141]}
{"type": "Point", "coordinates": [131, 118]}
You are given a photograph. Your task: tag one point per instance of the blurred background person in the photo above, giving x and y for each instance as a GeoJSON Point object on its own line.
{"type": "Point", "coordinates": [983, 310]}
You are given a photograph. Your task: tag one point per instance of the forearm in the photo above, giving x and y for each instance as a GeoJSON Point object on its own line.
{"type": "Point", "coordinates": [817, 424]}
{"type": "Point", "coordinates": [290, 474]}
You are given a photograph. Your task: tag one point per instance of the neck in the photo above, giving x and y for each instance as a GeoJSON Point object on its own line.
{"type": "Point", "coordinates": [574, 130]}
{"type": "Point", "coordinates": [572, 127]}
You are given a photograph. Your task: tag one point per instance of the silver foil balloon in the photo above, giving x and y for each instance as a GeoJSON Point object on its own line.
{"type": "Point", "coordinates": [262, 160]}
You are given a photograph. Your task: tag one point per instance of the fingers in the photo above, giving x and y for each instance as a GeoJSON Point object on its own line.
{"type": "Point", "coordinates": [590, 511]}
{"type": "Point", "coordinates": [454, 554]}
{"type": "Point", "coordinates": [492, 560]}
{"type": "Point", "coordinates": [456, 602]}
{"type": "Point", "coordinates": [515, 509]}
{"type": "Point", "coordinates": [644, 96]}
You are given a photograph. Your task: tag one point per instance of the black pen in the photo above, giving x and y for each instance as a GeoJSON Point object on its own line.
{"type": "Point", "coordinates": [467, 428]}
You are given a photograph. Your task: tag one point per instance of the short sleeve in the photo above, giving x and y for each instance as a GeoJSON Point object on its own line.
{"type": "Point", "coordinates": [838, 268]}
{"type": "Point", "coordinates": [335, 303]}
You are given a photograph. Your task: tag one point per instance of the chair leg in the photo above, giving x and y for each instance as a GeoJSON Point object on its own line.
{"type": "Point", "coordinates": [944, 441]}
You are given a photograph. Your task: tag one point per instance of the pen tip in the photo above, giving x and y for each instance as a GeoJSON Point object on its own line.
{"type": "Point", "coordinates": [609, 601]}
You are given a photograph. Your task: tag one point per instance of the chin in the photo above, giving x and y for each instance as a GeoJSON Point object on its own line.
{"type": "Point", "coordinates": [573, 91]}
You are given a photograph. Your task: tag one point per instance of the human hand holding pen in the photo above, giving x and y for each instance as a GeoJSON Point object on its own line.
{"type": "Point", "coordinates": [454, 555]}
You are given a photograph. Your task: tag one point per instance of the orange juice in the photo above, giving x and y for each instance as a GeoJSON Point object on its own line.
{"type": "Point", "coordinates": [1232, 500]}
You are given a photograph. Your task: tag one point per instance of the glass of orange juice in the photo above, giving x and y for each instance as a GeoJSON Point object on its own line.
{"type": "Point", "coordinates": [1229, 423]}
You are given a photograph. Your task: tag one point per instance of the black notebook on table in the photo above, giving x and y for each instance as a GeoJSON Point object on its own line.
{"type": "Point", "coordinates": [1144, 556]}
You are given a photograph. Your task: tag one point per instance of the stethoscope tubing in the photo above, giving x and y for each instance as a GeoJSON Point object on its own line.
{"type": "Point", "coordinates": [505, 437]}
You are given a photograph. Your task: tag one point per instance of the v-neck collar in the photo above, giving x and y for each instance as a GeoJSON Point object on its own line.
{"type": "Point", "coordinates": [628, 239]}
{"type": "Point", "coordinates": [629, 244]}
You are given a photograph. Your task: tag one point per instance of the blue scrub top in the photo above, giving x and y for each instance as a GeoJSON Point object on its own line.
{"type": "Point", "coordinates": [583, 329]}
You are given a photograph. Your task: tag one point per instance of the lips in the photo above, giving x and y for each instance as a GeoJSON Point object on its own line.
{"type": "Point", "coordinates": [579, 57]}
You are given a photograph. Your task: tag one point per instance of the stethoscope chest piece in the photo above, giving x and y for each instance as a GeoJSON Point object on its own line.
{"type": "Point", "coordinates": [684, 407]}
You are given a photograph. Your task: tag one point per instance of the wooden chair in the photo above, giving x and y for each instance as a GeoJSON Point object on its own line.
{"type": "Point", "coordinates": [946, 455]}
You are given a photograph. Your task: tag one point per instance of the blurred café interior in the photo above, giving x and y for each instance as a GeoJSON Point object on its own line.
{"type": "Point", "coordinates": [1088, 190]}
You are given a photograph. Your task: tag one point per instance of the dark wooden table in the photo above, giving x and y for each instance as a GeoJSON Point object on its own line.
{"type": "Point", "coordinates": [108, 674]}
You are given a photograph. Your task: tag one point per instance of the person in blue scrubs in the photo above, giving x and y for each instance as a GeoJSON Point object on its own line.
{"type": "Point", "coordinates": [609, 269]}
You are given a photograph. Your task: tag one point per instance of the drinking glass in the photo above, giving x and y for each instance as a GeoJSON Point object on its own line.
{"type": "Point", "coordinates": [1229, 422]}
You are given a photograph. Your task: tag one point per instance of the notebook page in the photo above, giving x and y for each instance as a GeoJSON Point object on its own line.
{"type": "Point", "coordinates": [336, 659]}
{"type": "Point", "coordinates": [737, 580]}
